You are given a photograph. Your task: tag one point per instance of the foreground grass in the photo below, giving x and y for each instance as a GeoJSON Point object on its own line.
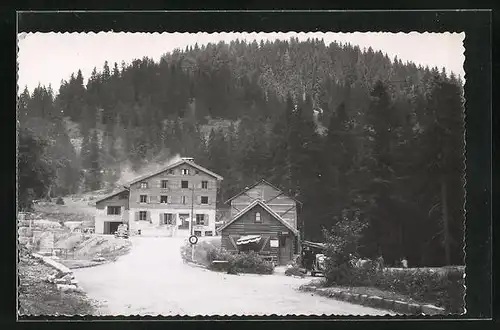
{"type": "Point", "coordinates": [37, 297]}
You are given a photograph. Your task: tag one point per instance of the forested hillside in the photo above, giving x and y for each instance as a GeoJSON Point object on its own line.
{"type": "Point", "coordinates": [391, 153]}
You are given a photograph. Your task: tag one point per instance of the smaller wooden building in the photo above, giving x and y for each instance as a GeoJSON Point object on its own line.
{"type": "Point", "coordinates": [260, 226]}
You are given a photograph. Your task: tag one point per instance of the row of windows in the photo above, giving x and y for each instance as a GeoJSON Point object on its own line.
{"type": "Point", "coordinates": [166, 199]}
{"type": "Point", "coordinates": [184, 184]}
{"type": "Point", "coordinates": [168, 219]}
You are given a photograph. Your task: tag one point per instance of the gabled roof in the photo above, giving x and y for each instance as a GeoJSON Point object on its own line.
{"type": "Point", "coordinates": [256, 184]}
{"type": "Point", "coordinates": [265, 207]}
{"type": "Point", "coordinates": [124, 189]}
{"type": "Point", "coordinates": [191, 163]}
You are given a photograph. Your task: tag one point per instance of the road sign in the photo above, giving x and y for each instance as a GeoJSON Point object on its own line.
{"type": "Point", "coordinates": [193, 239]}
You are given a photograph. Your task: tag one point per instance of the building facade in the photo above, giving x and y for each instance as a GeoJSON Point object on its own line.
{"type": "Point", "coordinates": [164, 202]}
{"type": "Point", "coordinates": [262, 215]}
{"type": "Point", "coordinates": [285, 206]}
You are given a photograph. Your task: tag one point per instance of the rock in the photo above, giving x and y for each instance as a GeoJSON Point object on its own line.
{"type": "Point", "coordinates": [50, 278]}
{"type": "Point", "coordinates": [62, 281]}
{"type": "Point", "coordinates": [67, 287]}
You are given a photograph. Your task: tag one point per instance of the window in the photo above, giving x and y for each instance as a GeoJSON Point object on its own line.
{"type": "Point", "coordinates": [208, 233]}
{"type": "Point", "coordinates": [183, 199]}
{"type": "Point", "coordinates": [185, 171]}
{"type": "Point", "coordinates": [168, 218]}
{"type": "Point", "coordinates": [164, 184]}
{"type": "Point", "coordinates": [144, 185]}
{"type": "Point", "coordinates": [143, 199]}
{"type": "Point", "coordinates": [197, 233]}
{"type": "Point", "coordinates": [143, 215]}
{"type": "Point", "coordinates": [184, 184]}
{"type": "Point", "coordinates": [204, 184]}
{"type": "Point", "coordinates": [163, 199]}
{"type": "Point", "coordinates": [257, 217]}
{"type": "Point", "coordinates": [114, 210]}
{"type": "Point", "coordinates": [200, 219]}
{"type": "Point", "coordinates": [204, 199]}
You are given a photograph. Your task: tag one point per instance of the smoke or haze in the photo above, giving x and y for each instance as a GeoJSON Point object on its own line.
{"type": "Point", "coordinates": [127, 174]}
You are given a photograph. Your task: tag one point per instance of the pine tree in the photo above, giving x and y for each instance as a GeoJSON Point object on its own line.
{"type": "Point", "coordinates": [381, 118]}
{"type": "Point", "coordinates": [34, 169]}
{"type": "Point", "coordinates": [94, 175]}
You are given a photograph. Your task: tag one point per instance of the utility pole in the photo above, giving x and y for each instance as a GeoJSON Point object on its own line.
{"type": "Point", "coordinates": [192, 209]}
{"type": "Point", "coordinates": [191, 221]}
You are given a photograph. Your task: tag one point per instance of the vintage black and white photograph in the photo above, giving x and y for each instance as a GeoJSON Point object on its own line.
{"type": "Point", "coordinates": [212, 174]}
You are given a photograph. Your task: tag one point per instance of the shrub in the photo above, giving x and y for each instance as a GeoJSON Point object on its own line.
{"type": "Point", "coordinates": [207, 251]}
{"type": "Point", "coordinates": [444, 290]}
{"type": "Point", "coordinates": [252, 262]}
{"type": "Point", "coordinates": [59, 201]}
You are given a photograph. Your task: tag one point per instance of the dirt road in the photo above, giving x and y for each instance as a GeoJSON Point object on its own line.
{"type": "Point", "coordinates": [153, 280]}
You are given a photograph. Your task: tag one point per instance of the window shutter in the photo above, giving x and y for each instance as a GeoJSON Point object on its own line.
{"type": "Point", "coordinates": [137, 216]}
{"type": "Point", "coordinates": [159, 183]}
{"type": "Point", "coordinates": [138, 198]}
{"type": "Point", "coordinates": [198, 199]}
{"type": "Point", "coordinates": [206, 219]}
{"type": "Point", "coordinates": [161, 218]}
{"type": "Point", "coordinates": [148, 216]}
{"type": "Point", "coordinates": [174, 219]}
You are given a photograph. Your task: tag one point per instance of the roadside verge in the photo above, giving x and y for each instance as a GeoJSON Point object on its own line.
{"type": "Point", "coordinates": [397, 306]}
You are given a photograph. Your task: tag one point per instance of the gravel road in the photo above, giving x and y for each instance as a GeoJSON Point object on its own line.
{"type": "Point", "coordinates": [153, 280]}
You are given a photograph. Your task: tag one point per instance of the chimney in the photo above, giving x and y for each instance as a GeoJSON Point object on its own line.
{"type": "Point", "coordinates": [189, 159]}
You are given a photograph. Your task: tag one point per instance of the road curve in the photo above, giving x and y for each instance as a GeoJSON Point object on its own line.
{"type": "Point", "coordinates": [153, 280]}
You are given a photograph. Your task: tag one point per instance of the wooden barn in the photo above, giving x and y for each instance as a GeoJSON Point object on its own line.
{"type": "Point", "coordinates": [263, 219]}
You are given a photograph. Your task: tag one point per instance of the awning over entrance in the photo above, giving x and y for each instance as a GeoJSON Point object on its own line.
{"type": "Point", "coordinates": [248, 239]}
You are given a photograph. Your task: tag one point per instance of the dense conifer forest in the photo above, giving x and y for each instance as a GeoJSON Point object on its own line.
{"type": "Point", "coordinates": [351, 133]}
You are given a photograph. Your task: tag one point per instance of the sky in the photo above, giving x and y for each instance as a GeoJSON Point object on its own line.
{"type": "Point", "coordinates": [48, 58]}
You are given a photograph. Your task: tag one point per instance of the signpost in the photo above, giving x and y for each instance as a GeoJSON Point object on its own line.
{"type": "Point", "coordinates": [192, 240]}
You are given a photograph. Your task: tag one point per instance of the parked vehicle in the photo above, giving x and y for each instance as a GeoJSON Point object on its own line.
{"type": "Point", "coordinates": [313, 258]}
{"type": "Point", "coordinates": [319, 265]}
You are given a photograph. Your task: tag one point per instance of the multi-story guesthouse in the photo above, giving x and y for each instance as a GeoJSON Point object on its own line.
{"type": "Point", "coordinates": [263, 219]}
{"type": "Point", "coordinates": [162, 203]}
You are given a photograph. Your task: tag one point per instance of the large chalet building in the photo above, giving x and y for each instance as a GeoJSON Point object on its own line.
{"type": "Point", "coordinates": [264, 216]}
{"type": "Point", "coordinates": [162, 203]}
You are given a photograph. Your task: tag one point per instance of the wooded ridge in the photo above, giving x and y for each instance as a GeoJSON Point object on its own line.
{"type": "Point", "coordinates": [348, 132]}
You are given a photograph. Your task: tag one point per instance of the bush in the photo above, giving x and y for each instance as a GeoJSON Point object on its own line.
{"type": "Point", "coordinates": [208, 251]}
{"type": "Point", "coordinates": [59, 201]}
{"type": "Point", "coordinates": [252, 262]}
{"type": "Point", "coordinates": [445, 290]}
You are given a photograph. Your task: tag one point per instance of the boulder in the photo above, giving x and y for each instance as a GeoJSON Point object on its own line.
{"type": "Point", "coordinates": [67, 287]}
{"type": "Point", "coordinates": [24, 240]}
{"type": "Point", "coordinates": [62, 281]}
